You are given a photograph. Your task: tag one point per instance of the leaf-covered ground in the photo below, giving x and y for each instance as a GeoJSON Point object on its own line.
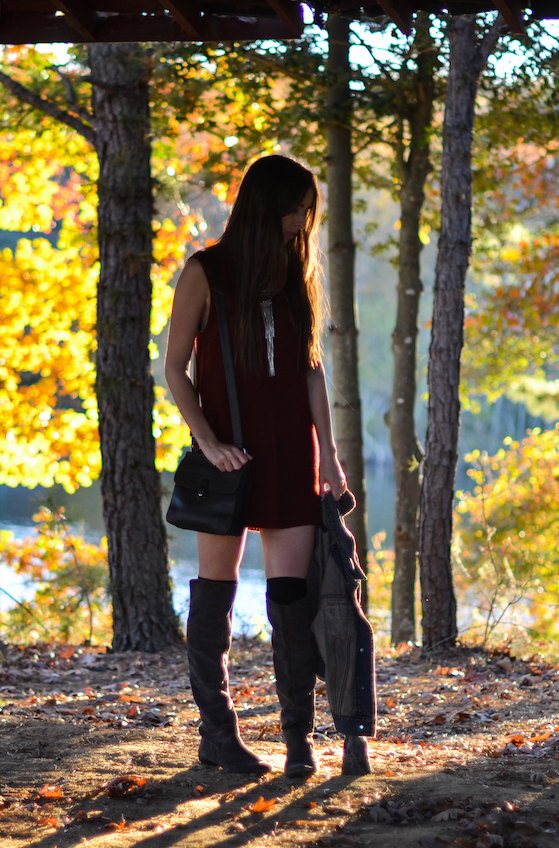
{"type": "Point", "coordinates": [100, 748]}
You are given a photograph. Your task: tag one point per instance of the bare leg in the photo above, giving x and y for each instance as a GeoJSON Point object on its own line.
{"type": "Point", "coordinates": [220, 557]}
{"type": "Point", "coordinates": [287, 552]}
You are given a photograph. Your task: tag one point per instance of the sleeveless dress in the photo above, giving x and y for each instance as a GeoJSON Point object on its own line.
{"type": "Point", "coordinates": [278, 431]}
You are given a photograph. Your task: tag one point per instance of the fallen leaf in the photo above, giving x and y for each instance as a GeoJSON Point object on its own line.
{"type": "Point", "coordinates": [462, 716]}
{"type": "Point", "coordinates": [126, 784]}
{"type": "Point", "coordinates": [49, 792]}
{"type": "Point", "coordinates": [451, 814]}
{"type": "Point", "coordinates": [262, 806]}
{"type": "Point", "coordinates": [541, 738]}
{"type": "Point", "coordinates": [66, 655]}
{"type": "Point", "coordinates": [48, 822]}
{"type": "Point", "coordinates": [474, 676]}
{"type": "Point", "coordinates": [121, 825]}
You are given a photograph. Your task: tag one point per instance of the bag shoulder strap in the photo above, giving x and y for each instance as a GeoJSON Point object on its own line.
{"type": "Point", "coordinates": [226, 352]}
{"type": "Point", "coordinates": [225, 339]}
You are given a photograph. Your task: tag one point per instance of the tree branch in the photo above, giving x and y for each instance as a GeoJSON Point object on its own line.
{"type": "Point", "coordinates": [43, 105]}
{"type": "Point", "coordinates": [71, 96]}
{"type": "Point", "coordinates": [489, 41]}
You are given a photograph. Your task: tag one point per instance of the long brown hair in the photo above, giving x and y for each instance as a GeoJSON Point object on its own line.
{"type": "Point", "coordinates": [273, 187]}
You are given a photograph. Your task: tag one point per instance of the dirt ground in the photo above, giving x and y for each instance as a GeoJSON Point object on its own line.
{"type": "Point", "coordinates": [99, 748]}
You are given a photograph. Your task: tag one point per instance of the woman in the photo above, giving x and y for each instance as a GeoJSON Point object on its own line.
{"type": "Point", "coordinates": [265, 262]}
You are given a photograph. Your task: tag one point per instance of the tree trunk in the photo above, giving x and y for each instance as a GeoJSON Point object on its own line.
{"type": "Point", "coordinates": [143, 617]}
{"type": "Point", "coordinates": [418, 112]}
{"type": "Point", "coordinates": [341, 261]}
{"type": "Point", "coordinates": [467, 59]}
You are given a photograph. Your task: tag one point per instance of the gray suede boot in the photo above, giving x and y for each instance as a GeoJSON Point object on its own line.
{"type": "Point", "coordinates": [208, 644]}
{"type": "Point", "coordinates": [295, 659]}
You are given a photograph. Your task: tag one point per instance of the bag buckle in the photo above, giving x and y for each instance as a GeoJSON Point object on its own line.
{"type": "Point", "coordinates": [203, 490]}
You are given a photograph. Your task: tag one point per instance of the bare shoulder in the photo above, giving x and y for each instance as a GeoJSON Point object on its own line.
{"type": "Point", "coordinates": [193, 280]}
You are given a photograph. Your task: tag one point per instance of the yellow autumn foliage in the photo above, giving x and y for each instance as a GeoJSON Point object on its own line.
{"type": "Point", "coordinates": [48, 412]}
{"type": "Point", "coordinates": [506, 550]}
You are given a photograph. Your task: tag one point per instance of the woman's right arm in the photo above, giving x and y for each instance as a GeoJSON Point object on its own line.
{"type": "Point", "coordinates": [191, 307]}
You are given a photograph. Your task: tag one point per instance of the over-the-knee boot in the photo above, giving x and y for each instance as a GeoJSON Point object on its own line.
{"type": "Point", "coordinates": [295, 658]}
{"type": "Point", "coordinates": [208, 643]}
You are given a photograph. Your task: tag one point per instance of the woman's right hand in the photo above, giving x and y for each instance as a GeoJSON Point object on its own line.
{"type": "Point", "coordinates": [224, 457]}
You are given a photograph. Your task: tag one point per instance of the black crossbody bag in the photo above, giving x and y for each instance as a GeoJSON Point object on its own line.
{"type": "Point", "coordinates": [204, 498]}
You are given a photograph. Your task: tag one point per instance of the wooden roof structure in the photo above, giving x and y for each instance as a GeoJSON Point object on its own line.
{"type": "Point", "coordinates": [34, 21]}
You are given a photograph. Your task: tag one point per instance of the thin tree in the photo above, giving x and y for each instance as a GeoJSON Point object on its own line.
{"type": "Point", "coordinates": [341, 266]}
{"type": "Point", "coordinates": [468, 56]}
{"type": "Point", "coordinates": [417, 94]}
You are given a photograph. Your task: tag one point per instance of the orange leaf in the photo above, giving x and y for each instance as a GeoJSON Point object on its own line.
{"type": "Point", "coordinates": [262, 806]}
{"type": "Point", "coordinates": [121, 825]}
{"type": "Point", "coordinates": [389, 773]}
{"type": "Point", "coordinates": [541, 738]}
{"type": "Point", "coordinates": [48, 822]}
{"type": "Point", "coordinates": [125, 785]}
{"type": "Point", "coordinates": [49, 791]}
{"type": "Point", "coordinates": [517, 740]}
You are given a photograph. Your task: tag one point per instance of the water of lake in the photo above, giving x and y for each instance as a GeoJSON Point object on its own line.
{"type": "Point", "coordinates": [17, 507]}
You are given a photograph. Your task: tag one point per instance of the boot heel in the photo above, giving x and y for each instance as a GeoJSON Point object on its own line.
{"type": "Point", "coordinates": [300, 760]}
{"type": "Point", "coordinates": [232, 755]}
{"type": "Point", "coordinates": [356, 756]}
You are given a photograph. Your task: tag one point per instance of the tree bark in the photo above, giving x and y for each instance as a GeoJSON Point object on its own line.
{"type": "Point", "coordinates": [341, 265]}
{"type": "Point", "coordinates": [143, 617]}
{"type": "Point", "coordinates": [467, 58]}
{"type": "Point", "coordinates": [417, 111]}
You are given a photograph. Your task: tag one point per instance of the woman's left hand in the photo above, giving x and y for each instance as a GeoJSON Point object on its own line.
{"type": "Point", "coordinates": [332, 477]}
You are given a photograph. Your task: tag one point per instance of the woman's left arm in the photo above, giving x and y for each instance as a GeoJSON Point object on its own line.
{"type": "Point", "coordinates": [331, 472]}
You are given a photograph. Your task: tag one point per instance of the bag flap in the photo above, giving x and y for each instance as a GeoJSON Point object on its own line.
{"type": "Point", "coordinates": [196, 472]}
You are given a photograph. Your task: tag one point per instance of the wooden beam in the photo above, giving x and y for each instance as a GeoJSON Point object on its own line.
{"type": "Point", "coordinates": [79, 18]}
{"type": "Point", "coordinates": [32, 27]}
{"type": "Point", "coordinates": [289, 12]}
{"type": "Point", "coordinates": [512, 13]}
{"type": "Point", "coordinates": [401, 13]}
{"type": "Point", "coordinates": [186, 15]}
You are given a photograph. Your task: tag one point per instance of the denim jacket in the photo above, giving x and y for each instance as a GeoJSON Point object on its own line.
{"type": "Point", "coordinates": [343, 634]}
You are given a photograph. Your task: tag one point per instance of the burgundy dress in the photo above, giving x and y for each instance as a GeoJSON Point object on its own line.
{"type": "Point", "coordinates": [276, 420]}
